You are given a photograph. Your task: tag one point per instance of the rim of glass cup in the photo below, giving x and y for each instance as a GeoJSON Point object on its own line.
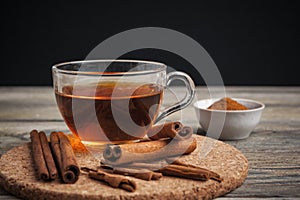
{"type": "Point", "coordinates": [159, 67]}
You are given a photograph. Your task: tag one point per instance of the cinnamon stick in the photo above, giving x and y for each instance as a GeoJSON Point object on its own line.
{"type": "Point", "coordinates": [147, 151]}
{"type": "Point", "coordinates": [116, 181]}
{"type": "Point", "coordinates": [143, 174]}
{"type": "Point", "coordinates": [178, 170]}
{"type": "Point", "coordinates": [64, 157]}
{"type": "Point", "coordinates": [48, 155]}
{"type": "Point", "coordinates": [42, 156]}
{"type": "Point", "coordinates": [185, 172]}
{"type": "Point", "coordinates": [211, 174]}
{"type": "Point", "coordinates": [167, 130]}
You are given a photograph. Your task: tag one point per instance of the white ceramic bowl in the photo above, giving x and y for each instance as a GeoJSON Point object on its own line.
{"type": "Point", "coordinates": [238, 124]}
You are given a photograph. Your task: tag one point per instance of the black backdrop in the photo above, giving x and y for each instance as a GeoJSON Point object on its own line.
{"type": "Point", "coordinates": [252, 42]}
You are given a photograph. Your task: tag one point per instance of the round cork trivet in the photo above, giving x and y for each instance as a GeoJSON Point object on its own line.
{"type": "Point", "coordinates": [17, 176]}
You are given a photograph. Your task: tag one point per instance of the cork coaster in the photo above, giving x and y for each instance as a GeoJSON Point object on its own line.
{"type": "Point", "coordinates": [17, 176]}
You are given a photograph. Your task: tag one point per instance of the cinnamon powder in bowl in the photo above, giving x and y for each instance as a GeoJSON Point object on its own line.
{"type": "Point", "coordinates": [240, 116]}
{"type": "Point", "coordinates": [227, 104]}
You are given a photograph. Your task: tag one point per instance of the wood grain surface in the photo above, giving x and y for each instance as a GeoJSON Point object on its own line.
{"type": "Point", "coordinates": [272, 149]}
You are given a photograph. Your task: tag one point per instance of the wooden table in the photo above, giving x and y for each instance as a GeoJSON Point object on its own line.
{"type": "Point", "coordinates": [273, 149]}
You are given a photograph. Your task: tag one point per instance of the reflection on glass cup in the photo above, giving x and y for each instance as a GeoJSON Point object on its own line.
{"type": "Point", "coordinates": [114, 100]}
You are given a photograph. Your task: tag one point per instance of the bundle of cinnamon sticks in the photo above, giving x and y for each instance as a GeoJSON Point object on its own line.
{"type": "Point", "coordinates": [177, 169]}
{"type": "Point", "coordinates": [54, 161]}
{"type": "Point", "coordinates": [169, 142]}
{"type": "Point", "coordinates": [57, 158]}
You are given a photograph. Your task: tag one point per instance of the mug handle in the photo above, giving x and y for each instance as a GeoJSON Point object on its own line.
{"type": "Point", "coordinates": [190, 93]}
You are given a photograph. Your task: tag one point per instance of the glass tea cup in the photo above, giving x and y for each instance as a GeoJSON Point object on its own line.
{"type": "Point", "coordinates": [114, 101]}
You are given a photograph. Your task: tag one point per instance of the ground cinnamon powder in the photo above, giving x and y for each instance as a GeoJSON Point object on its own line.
{"type": "Point", "coordinates": [227, 104]}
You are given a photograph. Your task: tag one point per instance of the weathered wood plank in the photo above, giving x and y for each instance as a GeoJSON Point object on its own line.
{"type": "Point", "coordinates": [28, 103]}
{"type": "Point", "coordinates": [22, 103]}
{"type": "Point", "coordinates": [5, 195]}
{"type": "Point", "coordinates": [13, 134]}
{"type": "Point", "coordinates": [274, 164]}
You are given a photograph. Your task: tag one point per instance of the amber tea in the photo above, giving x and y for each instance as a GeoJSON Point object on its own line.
{"type": "Point", "coordinates": [116, 112]}
{"type": "Point", "coordinates": [116, 101]}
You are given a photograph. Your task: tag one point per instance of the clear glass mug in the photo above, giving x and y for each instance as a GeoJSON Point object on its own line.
{"type": "Point", "coordinates": [114, 100]}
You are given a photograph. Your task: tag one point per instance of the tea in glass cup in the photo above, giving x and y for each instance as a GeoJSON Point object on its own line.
{"type": "Point", "coordinates": [114, 101]}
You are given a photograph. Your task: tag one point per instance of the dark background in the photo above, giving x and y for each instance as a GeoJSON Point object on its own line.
{"type": "Point", "coordinates": [252, 42]}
